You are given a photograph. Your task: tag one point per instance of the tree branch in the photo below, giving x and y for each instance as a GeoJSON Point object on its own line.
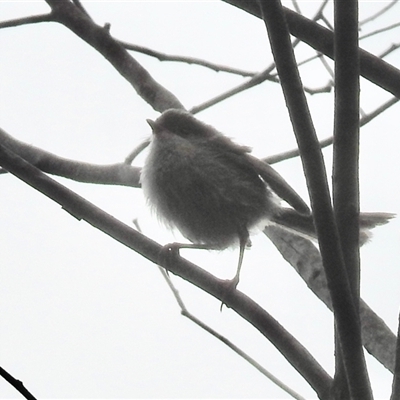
{"type": "Point", "coordinates": [17, 384]}
{"type": "Point", "coordinates": [78, 22]}
{"type": "Point", "coordinates": [34, 19]}
{"type": "Point", "coordinates": [113, 174]}
{"type": "Point", "coordinates": [328, 141]}
{"type": "Point", "coordinates": [80, 208]}
{"type": "Point", "coordinates": [305, 258]}
{"type": "Point", "coordinates": [345, 171]}
{"type": "Point", "coordinates": [321, 39]}
{"type": "Point", "coordinates": [188, 60]}
{"type": "Point", "coordinates": [396, 377]}
{"type": "Point", "coordinates": [346, 315]}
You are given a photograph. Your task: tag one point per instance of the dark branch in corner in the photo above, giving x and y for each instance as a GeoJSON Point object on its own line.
{"type": "Point", "coordinates": [17, 384]}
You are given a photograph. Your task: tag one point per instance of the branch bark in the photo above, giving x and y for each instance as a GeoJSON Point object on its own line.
{"type": "Point", "coordinates": [99, 38]}
{"type": "Point", "coordinates": [346, 316]}
{"type": "Point", "coordinates": [321, 39]}
{"type": "Point", "coordinates": [291, 349]}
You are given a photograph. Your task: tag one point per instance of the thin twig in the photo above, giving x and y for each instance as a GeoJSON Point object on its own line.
{"type": "Point", "coordinates": [391, 49]}
{"type": "Point", "coordinates": [33, 19]}
{"type": "Point", "coordinates": [189, 60]}
{"type": "Point", "coordinates": [378, 13]}
{"type": "Point", "coordinates": [136, 151]}
{"type": "Point", "coordinates": [328, 141]}
{"type": "Point", "coordinates": [186, 313]}
{"type": "Point", "coordinates": [296, 6]}
{"type": "Point", "coordinates": [255, 80]}
{"type": "Point", "coordinates": [376, 32]}
{"type": "Point", "coordinates": [326, 65]}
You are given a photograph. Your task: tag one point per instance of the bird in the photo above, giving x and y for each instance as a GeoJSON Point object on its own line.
{"type": "Point", "coordinates": [215, 192]}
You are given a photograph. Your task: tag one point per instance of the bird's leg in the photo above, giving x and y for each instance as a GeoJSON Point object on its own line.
{"type": "Point", "coordinates": [243, 242]}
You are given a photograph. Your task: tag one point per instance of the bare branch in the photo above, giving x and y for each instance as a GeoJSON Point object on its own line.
{"type": "Point", "coordinates": [254, 81]}
{"type": "Point", "coordinates": [78, 22]}
{"type": "Point", "coordinates": [378, 13]}
{"type": "Point", "coordinates": [346, 316]}
{"type": "Point", "coordinates": [371, 67]}
{"type": "Point", "coordinates": [186, 313]}
{"type": "Point", "coordinates": [34, 19]}
{"type": "Point", "coordinates": [305, 258]}
{"type": "Point", "coordinates": [189, 60]}
{"type": "Point", "coordinates": [328, 141]}
{"type": "Point", "coordinates": [377, 31]}
{"type": "Point", "coordinates": [80, 208]}
{"type": "Point", "coordinates": [113, 174]}
{"type": "Point", "coordinates": [17, 384]}
{"type": "Point", "coordinates": [391, 49]}
{"type": "Point", "coordinates": [396, 378]}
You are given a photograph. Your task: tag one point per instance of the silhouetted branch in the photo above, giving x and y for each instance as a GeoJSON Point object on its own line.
{"type": "Point", "coordinates": [396, 377]}
{"type": "Point", "coordinates": [186, 313]}
{"type": "Point", "coordinates": [305, 258]}
{"type": "Point", "coordinates": [328, 141]}
{"type": "Point", "coordinates": [80, 208]}
{"type": "Point", "coordinates": [78, 22]}
{"type": "Point", "coordinates": [17, 384]}
{"type": "Point", "coordinates": [33, 19]}
{"type": "Point", "coordinates": [188, 60]}
{"type": "Point", "coordinates": [113, 174]}
{"type": "Point", "coordinates": [346, 316]}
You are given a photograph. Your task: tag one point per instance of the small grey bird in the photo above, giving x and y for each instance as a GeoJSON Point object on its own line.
{"type": "Point", "coordinates": [214, 191]}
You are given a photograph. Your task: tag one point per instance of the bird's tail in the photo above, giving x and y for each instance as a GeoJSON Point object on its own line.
{"type": "Point", "coordinates": [304, 224]}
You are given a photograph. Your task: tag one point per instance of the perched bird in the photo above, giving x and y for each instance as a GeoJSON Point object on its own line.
{"type": "Point", "coordinates": [214, 191]}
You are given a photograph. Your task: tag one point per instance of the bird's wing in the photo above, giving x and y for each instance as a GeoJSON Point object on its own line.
{"type": "Point", "coordinates": [279, 185]}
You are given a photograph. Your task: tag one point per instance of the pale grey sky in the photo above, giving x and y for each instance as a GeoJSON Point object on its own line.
{"type": "Point", "coordinates": [84, 317]}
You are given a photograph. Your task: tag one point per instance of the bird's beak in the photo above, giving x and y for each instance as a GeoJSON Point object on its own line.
{"type": "Point", "coordinates": [151, 123]}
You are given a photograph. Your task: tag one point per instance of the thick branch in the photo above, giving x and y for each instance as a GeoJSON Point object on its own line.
{"type": "Point", "coordinates": [113, 174]}
{"type": "Point", "coordinates": [78, 22]}
{"type": "Point", "coordinates": [346, 315]}
{"type": "Point", "coordinates": [77, 206]}
{"type": "Point", "coordinates": [345, 167]}
{"type": "Point", "coordinates": [305, 258]}
{"type": "Point", "coordinates": [372, 68]}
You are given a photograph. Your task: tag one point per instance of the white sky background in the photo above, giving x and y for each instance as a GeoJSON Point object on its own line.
{"type": "Point", "coordinates": [84, 317]}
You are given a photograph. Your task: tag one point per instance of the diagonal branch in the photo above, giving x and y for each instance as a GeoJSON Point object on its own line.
{"type": "Point", "coordinates": [396, 377]}
{"type": "Point", "coordinates": [328, 141]}
{"type": "Point", "coordinates": [186, 313]}
{"type": "Point", "coordinates": [17, 384]}
{"type": "Point", "coordinates": [113, 174]}
{"type": "Point", "coordinates": [305, 258]}
{"type": "Point", "coordinates": [80, 208]}
{"type": "Point", "coordinates": [78, 22]}
{"type": "Point", "coordinates": [346, 316]}
{"type": "Point", "coordinates": [321, 39]}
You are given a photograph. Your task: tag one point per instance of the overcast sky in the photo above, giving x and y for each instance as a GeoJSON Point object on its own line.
{"type": "Point", "coordinates": [84, 317]}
